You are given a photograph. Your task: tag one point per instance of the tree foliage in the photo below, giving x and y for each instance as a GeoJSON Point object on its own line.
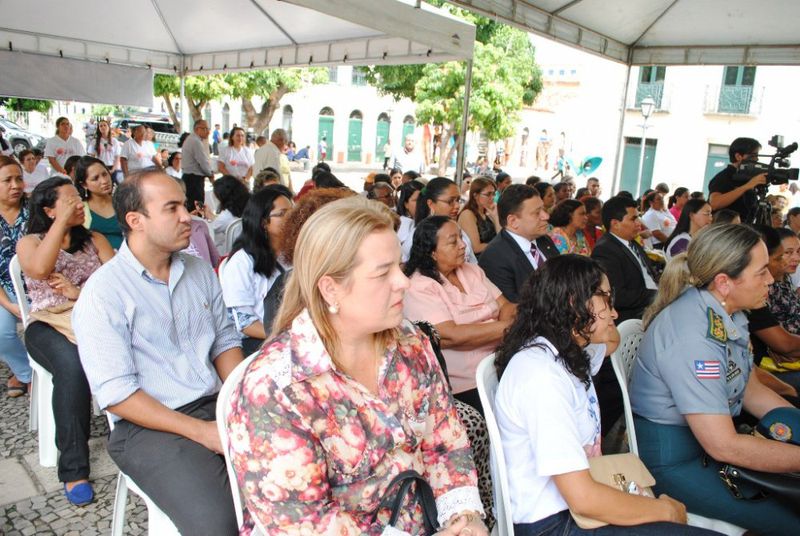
{"type": "Point", "coordinates": [504, 78]}
{"type": "Point", "coordinates": [26, 105]}
{"type": "Point", "coordinates": [199, 91]}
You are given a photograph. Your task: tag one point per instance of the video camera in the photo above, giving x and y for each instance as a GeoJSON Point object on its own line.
{"type": "Point", "coordinates": [778, 170]}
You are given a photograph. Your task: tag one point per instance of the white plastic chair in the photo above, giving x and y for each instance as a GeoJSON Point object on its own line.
{"type": "Point", "coordinates": [158, 523]}
{"type": "Point", "coordinates": [623, 358]}
{"type": "Point", "coordinates": [487, 387]}
{"type": "Point", "coordinates": [223, 407]}
{"type": "Point", "coordinates": [41, 408]}
{"type": "Point", "coordinates": [232, 232]}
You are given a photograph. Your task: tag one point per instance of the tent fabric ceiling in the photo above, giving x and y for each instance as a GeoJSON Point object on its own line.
{"type": "Point", "coordinates": [209, 36]}
{"type": "Point", "coordinates": [662, 32]}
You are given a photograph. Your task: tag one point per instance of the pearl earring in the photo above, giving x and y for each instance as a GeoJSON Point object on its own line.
{"type": "Point", "coordinates": [333, 308]}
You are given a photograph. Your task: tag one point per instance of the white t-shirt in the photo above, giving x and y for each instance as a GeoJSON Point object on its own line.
{"type": "Point", "coordinates": [172, 172]}
{"type": "Point", "coordinates": [406, 230]}
{"type": "Point", "coordinates": [61, 149]}
{"type": "Point", "coordinates": [220, 225]}
{"type": "Point", "coordinates": [268, 155]}
{"type": "Point", "coordinates": [659, 220]}
{"type": "Point", "coordinates": [108, 151]}
{"type": "Point", "coordinates": [236, 162]}
{"type": "Point", "coordinates": [138, 156]}
{"type": "Point", "coordinates": [39, 174]}
{"type": "Point", "coordinates": [242, 287]}
{"type": "Point", "coordinates": [549, 425]}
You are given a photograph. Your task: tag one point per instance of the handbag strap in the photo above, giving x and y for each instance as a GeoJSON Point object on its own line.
{"type": "Point", "coordinates": [423, 494]}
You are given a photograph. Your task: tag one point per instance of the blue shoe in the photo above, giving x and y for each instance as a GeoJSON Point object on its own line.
{"type": "Point", "coordinates": [81, 494]}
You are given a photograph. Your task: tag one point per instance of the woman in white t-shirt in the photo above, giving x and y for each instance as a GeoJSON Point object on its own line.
{"type": "Point", "coordinates": [657, 218]}
{"type": "Point", "coordinates": [547, 409]}
{"type": "Point", "coordinates": [236, 159]}
{"type": "Point", "coordinates": [138, 153]}
{"type": "Point", "coordinates": [254, 265]}
{"type": "Point", "coordinates": [62, 146]}
{"type": "Point", "coordinates": [33, 172]}
{"type": "Point", "coordinates": [106, 148]}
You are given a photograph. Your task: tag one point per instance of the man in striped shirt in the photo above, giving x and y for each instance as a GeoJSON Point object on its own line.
{"type": "Point", "coordinates": [156, 343]}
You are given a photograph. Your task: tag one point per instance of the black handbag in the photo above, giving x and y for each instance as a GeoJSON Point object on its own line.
{"type": "Point", "coordinates": [399, 489]}
{"type": "Point", "coordinates": [781, 486]}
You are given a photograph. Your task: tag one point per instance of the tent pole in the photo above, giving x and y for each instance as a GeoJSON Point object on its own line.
{"type": "Point", "coordinates": [617, 179]}
{"type": "Point", "coordinates": [462, 138]}
{"type": "Point", "coordinates": [184, 117]}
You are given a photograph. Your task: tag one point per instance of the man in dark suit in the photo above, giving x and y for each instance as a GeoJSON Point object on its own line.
{"type": "Point", "coordinates": [629, 270]}
{"type": "Point", "coordinates": [522, 245]}
{"type": "Point", "coordinates": [633, 284]}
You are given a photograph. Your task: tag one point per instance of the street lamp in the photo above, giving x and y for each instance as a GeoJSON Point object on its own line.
{"type": "Point", "coordinates": [647, 107]}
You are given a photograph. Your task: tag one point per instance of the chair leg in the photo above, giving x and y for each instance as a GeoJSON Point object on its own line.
{"type": "Point", "coordinates": [33, 411]}
{"type": "Point", "coordinates": [120, 504]}
{"type": "Point", "coordinates": [48, 453]}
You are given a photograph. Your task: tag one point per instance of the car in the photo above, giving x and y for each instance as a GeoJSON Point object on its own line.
{"type": "Point", "coordinates": [19, 138]}
{"type": "Point", "coordinates": [166, 135]}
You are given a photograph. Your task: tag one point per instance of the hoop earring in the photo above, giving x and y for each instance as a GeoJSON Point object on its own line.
{"type": "Point", "coordinates": [333, 308]}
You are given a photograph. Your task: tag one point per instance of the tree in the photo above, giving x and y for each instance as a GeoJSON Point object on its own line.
{"type": "Point", "coordinates": [26, 105]}
{"type": "Point", "coordinates": [271, 85]}
{"type": "Point", "coordinates": [199, 91]}
{"type": "Point", "coordinates": [504, 77]}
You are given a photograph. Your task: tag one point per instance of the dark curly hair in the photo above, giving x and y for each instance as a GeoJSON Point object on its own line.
{"type": "Point", "coordinates": [405, 191]}
{"type": "Point", "coordinates": [81, 171]}
{"type": "Point", "coordinates": [254, 239]}
{"type": "Point", "coordinates": [423, 246]}
{"type": "Point", "coordinates": [44, 196]}
{"type": "Point", "coordinates": [562, 212]}
{"type": "Point", "coordinates": [232, 194]}
{"type": "Point", "coordinates": [555, 305]}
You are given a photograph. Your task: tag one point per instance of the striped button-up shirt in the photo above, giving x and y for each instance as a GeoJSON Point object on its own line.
{"type": "Point", "coordinates": [136, 332]}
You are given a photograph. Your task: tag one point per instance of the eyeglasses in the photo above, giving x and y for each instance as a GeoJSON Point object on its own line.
{"type": "Point", "coordinates": [279, 213]}
{"type": "Point", "coordinates": [486, 194]}
{"type": "Point", "coordinates": [452, 201]}
{"type": "Point", "coordinates": [608, 296]}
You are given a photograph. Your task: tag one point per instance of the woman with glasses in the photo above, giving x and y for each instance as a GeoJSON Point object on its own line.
{"type": "Point", "coordinates": [439, 197]}
{"type": "Point", "coordinates": [174, 165]}
{"type": "Point", "coordinates": [469, 312]}
{"type": "Point", "coordinates": [548, 412]}
{"type": "Point", "coordinates": [254, 263]}
{"type": "Point", "coordinates": [479, 218]}
{"type": "Point", "coordinates": [696, 214]}
{"type": "Point", "coordinates": [236, 158]}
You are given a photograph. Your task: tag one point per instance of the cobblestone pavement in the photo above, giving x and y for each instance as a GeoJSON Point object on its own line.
{"type": "Point", "coordinates": [38, 505]}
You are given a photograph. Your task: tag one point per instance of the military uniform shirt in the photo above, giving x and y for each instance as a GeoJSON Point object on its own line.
{"type": "Point", "coordinates": [694, 358]}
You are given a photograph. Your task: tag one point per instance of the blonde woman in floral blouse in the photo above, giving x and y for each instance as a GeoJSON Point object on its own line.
{"type": "Point", "coordinates": [346, 395]}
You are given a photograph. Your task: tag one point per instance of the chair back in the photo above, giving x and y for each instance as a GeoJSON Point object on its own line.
{"type": "Point", "coordinates": [223, 409]}
{"type": "Point", "coordinates": [19, 289]}
{"type": "Point", "coordinates": [232, 232]}
{"type": "Point", "coordinates": [623, 358]}
{"type": "Point", "coordinates": [487, 388]}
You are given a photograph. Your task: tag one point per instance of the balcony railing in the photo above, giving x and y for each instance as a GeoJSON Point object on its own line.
{"type": "Point", "coordinates": [735, 100]}
{"type": "Point", "coordinates": [657, 90]}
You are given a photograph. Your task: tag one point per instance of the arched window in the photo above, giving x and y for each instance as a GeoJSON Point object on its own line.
{"type": "Point", "coordinates": [384, 117]}
{"type": "Point", "coordinates": [327, 110]}
{"type": "Point", "coordinates": [356, 115]}
{"type": "Point", "coordinates": [226, 118]}
{"type": "Point", "coordinates": [287, 120]}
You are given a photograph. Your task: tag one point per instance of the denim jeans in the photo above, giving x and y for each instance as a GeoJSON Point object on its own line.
{"type": "Point", "coordinates": [11, 349]}
{"type": "Point", "coordinates": [562, 524]}
{"type": "Point", "coordinates": [72, 399]}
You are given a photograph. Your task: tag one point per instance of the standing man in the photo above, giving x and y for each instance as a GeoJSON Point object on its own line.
{"type": "Point", "coordinates": [216, 137]}
{"type": "Point", "coordinates": [196, 166]}
{"type": "Point", "coordinates": [387, 154]}
{"type": "Point", "coordinates": [522, 245]}
{"type": "Point", "coordinates": [156, 344]}
{"type": "Point", "coordinates": [269, 154]}
{"type": "Point", "coordinates": [409, 159]}
{"type": "Point", "coordinates": [593, 185]}
{"type": "Point", "coordinates": [725, 192]}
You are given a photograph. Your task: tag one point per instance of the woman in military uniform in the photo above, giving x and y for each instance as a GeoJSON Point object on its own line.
{"type": "Point", "coordinates": [693, 375]}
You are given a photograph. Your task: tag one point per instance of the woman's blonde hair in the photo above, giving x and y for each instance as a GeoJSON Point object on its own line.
{"type": "Point", "coordinates": [717, 249]}
{"type": "Point", "coordinates": [328, 244]}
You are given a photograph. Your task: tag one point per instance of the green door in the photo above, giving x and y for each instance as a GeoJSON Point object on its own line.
{"type": "Point", "coordinates": [716, 162]}
{"type": "Point", "coordinates": [380, 139]}
{"type": "Point", "coordinates": [630, 165]}
{"type": "Point", "coordinates": [408, 128]}
{"type": "Point", "coordinates": [354, 140]}
{"type": "Point", "coordinates": [326, 131]}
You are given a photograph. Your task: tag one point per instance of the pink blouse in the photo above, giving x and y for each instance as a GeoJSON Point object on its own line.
{"type": "Point", "coordinates": [76, 267]}
{"type": "Point", "coordinates": [429, 300]}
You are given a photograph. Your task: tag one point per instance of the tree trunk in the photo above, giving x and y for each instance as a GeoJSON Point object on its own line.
{"type": "Point", "coordinates": [175, 119]}
{"type": "Point", "coordinates": [259, 121]}
{"type": "Point", "coordinates": [196, 109]}
{"type": "Point", "coordinates": [447, 133]}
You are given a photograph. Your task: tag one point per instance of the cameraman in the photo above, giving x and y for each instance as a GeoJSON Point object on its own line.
{"type": "Point", "coordinates": [725, 192]}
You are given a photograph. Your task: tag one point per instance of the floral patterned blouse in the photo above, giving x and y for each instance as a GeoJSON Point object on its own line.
{"type": "Point", "coordinates": [565, 244]}
{"type": "Point", "coordinates": [784, 304]}
{"type": "Point", "coordinates": [314, 450]}
{"type": "Point", "coordinates": [9, 236]}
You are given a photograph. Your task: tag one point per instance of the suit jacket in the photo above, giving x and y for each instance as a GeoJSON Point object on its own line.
{"type": "Point", "coordinates": [507, 266]}
{"type": "Point", "coordinates": [631, 296]}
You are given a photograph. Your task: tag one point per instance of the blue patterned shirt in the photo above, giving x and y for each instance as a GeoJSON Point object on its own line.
{"type": "Point", "coordinates": [136, 332]}
{"type": "Point", "coordinates": [9, 236]}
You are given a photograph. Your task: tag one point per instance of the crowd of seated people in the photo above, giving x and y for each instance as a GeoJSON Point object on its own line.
{"type": "Point", "coordinates": [368, 315]}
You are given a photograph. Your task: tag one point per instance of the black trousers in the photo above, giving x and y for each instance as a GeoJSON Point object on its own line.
{"type": "Point", "coordinates": [609, 396]}
{"type": "Point", "coordinates": [195, 190]}
{"type": "Point", "coordinates": [72, 399]}
{"type": "Point", "coordinates": [185, 479]}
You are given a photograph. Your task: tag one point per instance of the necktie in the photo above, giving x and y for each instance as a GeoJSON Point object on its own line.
{"type": "Point", "coordinates": [640, 255]}
{"type": "Point", "coordinates": [537, 256]}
